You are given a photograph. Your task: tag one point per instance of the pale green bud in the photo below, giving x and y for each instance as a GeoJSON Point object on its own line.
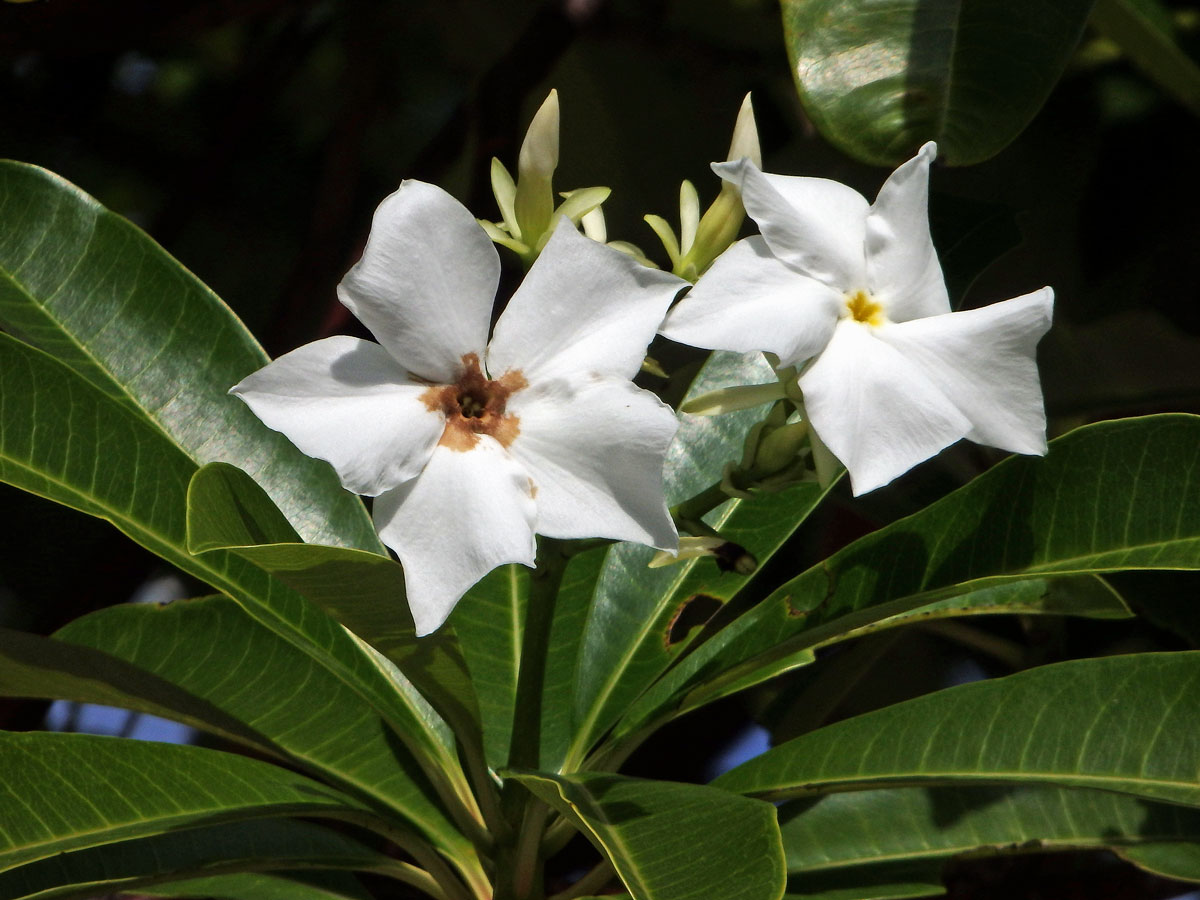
{"type": "Point", "coordinates": [534, 201]}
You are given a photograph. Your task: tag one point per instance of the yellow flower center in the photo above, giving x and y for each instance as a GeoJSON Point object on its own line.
{"type": "Point", "coordinates": [863, 309]}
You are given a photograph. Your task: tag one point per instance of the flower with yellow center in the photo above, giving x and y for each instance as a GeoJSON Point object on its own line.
{"type": "Point", "coordinates": [852, 293]}
{"type": "Point", "coordinates": [469, 445]}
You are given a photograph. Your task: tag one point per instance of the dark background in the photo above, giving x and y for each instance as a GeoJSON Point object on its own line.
{"type": "Point", "coordinates": [253, 138]}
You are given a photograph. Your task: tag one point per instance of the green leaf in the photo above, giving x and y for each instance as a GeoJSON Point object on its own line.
{"type": "Point", "coordinates": [489, 620]}
{"type": "Point", "coordinates": [254, 886]}
{"type": "Point", "coordinates": [229, 848]}
{"type": "Point", "coordinates": [66, 440]}
{"type": "Point", "coordinates": [880, 77]}
{"type": "Point", "coordinates": [227, 668]}
{"type": "Point", "coordinates": [95, 292]}
{"type": "Point", "coordinates": [1180, 861]}
{"type": "Point", "coordinates": [671, 841]}
{"type": "Point", "coordinates": [1122, 723]}
{"type": "Point", "coordinates": [1115, 495]}
{"type": "Point", "coordinates": [637, 625]}
{"type": "Point", "coordinates": [1135, 27]}
{"type": "Point", "coordinates": [227, 510]}
{"type": "Point", "coordinates": [1085, 595]}
{"type": "Point", "coordinates": [64, 792]}
{"type": "Point", "coordinates": [845, 835]}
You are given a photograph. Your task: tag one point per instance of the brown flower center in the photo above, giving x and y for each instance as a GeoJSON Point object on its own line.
{"type": "Point", "coordinates": [475, 405]}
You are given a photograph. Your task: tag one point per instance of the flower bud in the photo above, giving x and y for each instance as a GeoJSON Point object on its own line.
{"type": "Point", "coordinates": [535, 170]}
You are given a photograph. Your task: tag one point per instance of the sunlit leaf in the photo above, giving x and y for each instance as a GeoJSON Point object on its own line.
{"type": "Point", "coordinates": [95, 292]}
{"type": "Point", "coordinates": [1115, 495]}
{"type": "Point", "coordinates": [1120, 723]}
{"type": "Point", "coordinates": [880, 77]}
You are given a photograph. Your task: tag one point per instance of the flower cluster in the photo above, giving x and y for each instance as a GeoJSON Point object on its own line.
{"type": "Point", "coordinates": [473, 444]}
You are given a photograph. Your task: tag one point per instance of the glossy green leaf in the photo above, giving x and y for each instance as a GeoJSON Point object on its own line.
{"type": "Point", "coordinates": [637, 624]}
{"type": "Point", "coordinates": [227, 667]}
{"type": "Point", "coordinates": [261, 886]}
{"type": "Point", "coordinates": [1115, 495]}
{"type": "Point", "coordinates": [844, 835]}
{"type": "Point", "coordinates": [64, 792]}
{"type": "Point", "coordinates": [228, 511]}
{"type": "Point", "coordinates": [1178, 860]}
{"type": "Point", "coordinates": [1085, 595]}
{"type": "Point", "coordinates": [1121, 723]}
{"type": "Point", "coordinates": [66, 440]}
{"type": "Point", "coordinates": [95, 292]}
{"type": "Point", "coordinates": [175, 855]}
{"type": "Point", "coordinates": [671, 841]}
{"type": "Point", "coordinates": [1135, 28]}
{"type": "Point", "coordinates": [880, 77]}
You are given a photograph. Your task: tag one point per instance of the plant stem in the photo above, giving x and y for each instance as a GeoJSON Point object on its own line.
{"type": "Point", "coordinates": [591, 883]}
{"type": "Point", "coordinates": [416, 847]}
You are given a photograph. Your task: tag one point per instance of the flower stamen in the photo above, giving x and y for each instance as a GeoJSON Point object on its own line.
{"type": "Point", "coordinates": [475, 405]}
{"type": "Point", "coordinates": [863, 309]}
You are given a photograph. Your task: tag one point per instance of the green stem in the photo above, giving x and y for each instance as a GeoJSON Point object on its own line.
{"type": "Point", "coordinates": [451, 888]}
{"type": "Point", "coordinates": [591, 883]}
{"type": "Point", "coordinates": [689, 513]}
{"type": "Point", "coordinates": [410, 874]}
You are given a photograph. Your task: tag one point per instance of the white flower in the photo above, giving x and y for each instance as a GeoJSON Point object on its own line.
{"type": "Point", "coordinates": [471, 447]}
{"type": "Point", "coordinates": [856, 289]}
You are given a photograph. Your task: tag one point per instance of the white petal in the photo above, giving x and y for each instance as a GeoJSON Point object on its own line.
{"type": "Point", "coordinates": [903, 271]}
{"type": "Point", "coordinates": [749, 300]}
{"type": "Point", "coordinates": [583, 308]}
{"type": "Point", "coordinates": [346, 401]}
{"type": "Point", "coordinates": [877, 412]}
{"type": "Point", "coordinates": [426, 281]}
{"type": "Point", "coordinates": [984, 361]}
{"type": "Point", "coordinates": [814, 225]}
{"type": "Point", "coordinates": [594, 450]}
{"type": "Point", "coordinates": [465, 514]}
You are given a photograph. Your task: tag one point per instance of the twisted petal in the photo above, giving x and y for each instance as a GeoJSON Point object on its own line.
{"type": "Point", "coordinates": [902, 266]}
{"type": "Point", "coordinates": [594, 450]}
{"type": "Point", "coordinates": [583, 309]}
{"type": "Point", "coordinates": [345, 400]}
{"type": "Point", "coordinates": [426, 281]}
{"type": "Point", "coordinates": [465, 514]}
{"type": "Point", "coordinates": [749, 300]}
{"type": "Point", "coordinates": [814, 225]}
{"type": "Point", "coordinates": [984, 361]}
{"type": "Point", "coordinates": [879, 413]}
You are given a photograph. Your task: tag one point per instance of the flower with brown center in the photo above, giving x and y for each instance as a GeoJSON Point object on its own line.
{"type": "Point", "coordinates": [469, 445]}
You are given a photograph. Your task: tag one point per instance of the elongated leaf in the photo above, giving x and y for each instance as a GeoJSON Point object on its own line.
{"type": "Point", "coordinates": [636, 627]}
{"type": "Point", "coordinates": [489, 621]}
{"type": "Point", "coordinates": [842, 833]}
{"type": "Point", "coordinates": [64, 439]}
{"type": "Point", "coordinates": [879, 79]}
{"type": "Point", "coordinates": [671, 841]}
{"type": "Point", "coordinates": [1175, 859]}
{"type": "Point", "coordinates": [233, 847]}
{"type": "Point", "coordinates": [1085, 595]}
{"type": "Point", "coordinates": [254, 886]}
{"type": "Point", "coordinates": [228, 511]}
{"type": "Point", "coordinates": [94, 291]}
{"type": "Point", "coordinates": [64, 792]}
{"type": "Point", "coordinates": [1123, 723]}
{"type": "Point", "coordinates": [228, 667]}
{"type": "Point", "coordinates": [1111, 496]}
